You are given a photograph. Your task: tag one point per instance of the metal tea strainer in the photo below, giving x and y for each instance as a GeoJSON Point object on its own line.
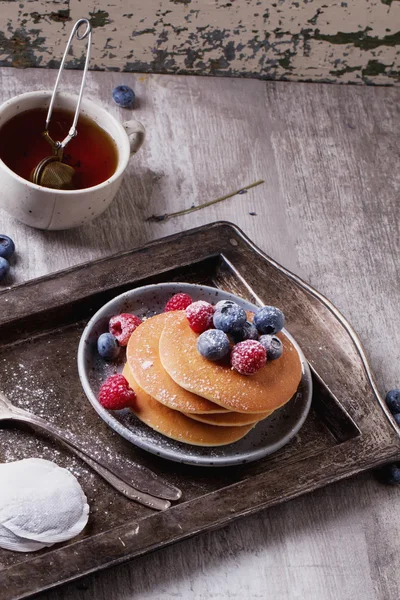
{"type": "Point", "coordinates": [51, 172]}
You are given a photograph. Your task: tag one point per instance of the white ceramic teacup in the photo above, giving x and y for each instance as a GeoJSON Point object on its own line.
{"type": "Point", "coordinates": [45, 208]}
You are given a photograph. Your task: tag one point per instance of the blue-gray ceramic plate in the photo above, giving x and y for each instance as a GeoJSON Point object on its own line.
{"type": "Point", "coordinates": [265, 438]}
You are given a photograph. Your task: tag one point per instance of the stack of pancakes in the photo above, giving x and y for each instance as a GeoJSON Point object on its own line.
{"type": "Point", "coordinates": [193, 400]}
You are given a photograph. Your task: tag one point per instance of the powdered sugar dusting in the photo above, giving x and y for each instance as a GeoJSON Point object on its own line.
{"type": "Point", "coordinates": [144, 361]}
{"type": "Point", "coordinates": [147, 364]}
{"type": "Point", "coordinates": [266, 389]}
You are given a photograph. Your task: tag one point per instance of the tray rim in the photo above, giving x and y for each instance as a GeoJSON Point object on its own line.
{"type": "Point", "coordinates": [382, 449]}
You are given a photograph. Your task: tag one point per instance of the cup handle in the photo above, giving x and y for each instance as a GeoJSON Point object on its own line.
{"type": "Point", "coordinates": [135, 132]}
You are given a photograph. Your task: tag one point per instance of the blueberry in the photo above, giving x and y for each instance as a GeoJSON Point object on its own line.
{"type": "Point", "coordinates": [397, 418]}
{"type": "Point", "coordinates": [213, 344]}
{"type": "Point", "coordinates": [393, 401]}
{"type": "Point", "coordinates": [229, 318]}
{"type": "Point", "coordinates": [390, 474]}
{"type": "Point", "coordinates": [107, 346]}
{"type": "Point", "coordinates": [247, 332]}
{"type": "Point", "coordinates": [7, 246]}
{"type": "Point", "coordinates": [223, 303]}
{"type": "Point", "coordinates": [124, 96]}
{"type": "Point", "coordinates": [269, 319]}
{"type": "Point", "coordinates": [4, 267]}
{"type": "Point", "coordinates": [273, 346]}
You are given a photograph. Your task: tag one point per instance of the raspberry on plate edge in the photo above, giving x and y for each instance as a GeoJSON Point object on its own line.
{"type": "Point", "coordinates": [122, 326]}
{"type": "Point", "coordinates": [116, 394]}
{"type": "Point", "coordinates": [178, 301]}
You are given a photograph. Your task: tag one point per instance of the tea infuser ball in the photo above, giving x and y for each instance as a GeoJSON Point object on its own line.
{"type": "Point", "coordinates": [51, 172]}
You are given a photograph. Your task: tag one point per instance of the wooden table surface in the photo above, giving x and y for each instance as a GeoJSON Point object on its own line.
{"type": "Point", "coordinates": [329, 211]}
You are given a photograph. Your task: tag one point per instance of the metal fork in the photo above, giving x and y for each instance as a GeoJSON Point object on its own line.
{"type": "Point", "coordinates": [133, 481]}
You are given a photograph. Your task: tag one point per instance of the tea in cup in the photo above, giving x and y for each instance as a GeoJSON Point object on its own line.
{"type": "Point", "coordinates": [99, 155]}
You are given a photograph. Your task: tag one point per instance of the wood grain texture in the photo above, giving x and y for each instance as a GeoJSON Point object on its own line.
{"type": "Point", "coordinates": [328, 210]}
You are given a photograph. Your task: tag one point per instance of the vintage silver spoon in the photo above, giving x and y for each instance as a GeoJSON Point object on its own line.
{"type": "Point", "coordinates": [133, 481]}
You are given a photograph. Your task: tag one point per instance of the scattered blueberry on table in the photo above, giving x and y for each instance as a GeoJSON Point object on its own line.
{"type": "Point", "coordinates": [391, 473]}
{"type": "Point", "coordinates": [7, 246]}
{"type": "Point", "coordinates": [124, 96]}
{"type": "Point", "coordinates": [393, 401]}
{"type": "Point", "coordinates": [4, 267]}
{"type": "Point", "coordinates": [7, 249]}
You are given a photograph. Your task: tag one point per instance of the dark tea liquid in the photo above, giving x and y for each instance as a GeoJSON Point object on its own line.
{"type": "Point", "coordinates": [92, 153]}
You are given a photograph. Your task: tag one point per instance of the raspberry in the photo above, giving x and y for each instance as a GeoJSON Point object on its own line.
{"type": "Point", "coordinates": [122, 326]}
{"type": "Point", "coordinates": [115, 393]}
{"type": "Point", "coordinates": [178, 302]}
{"type": "Point", "coordinates": [200, 315]}
{"type": "Point", "coordinates": [248, 357]}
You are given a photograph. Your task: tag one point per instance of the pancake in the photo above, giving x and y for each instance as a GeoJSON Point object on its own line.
{"type": "Point", "coordinates": [271, 387]}
{"type": "Point", "coordinates": [177, 426]}
{"type": "Point", "coordinates": [143, 357]}
{"type": "Point", "coordinates": [228, 418]}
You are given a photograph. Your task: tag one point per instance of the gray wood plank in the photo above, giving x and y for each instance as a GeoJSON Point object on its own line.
{"type": "Point", "coordinates": [328, 210]}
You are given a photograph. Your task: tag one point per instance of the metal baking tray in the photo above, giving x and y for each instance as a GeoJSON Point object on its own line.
{"type": "Point", "coordinates": [347, 431]}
